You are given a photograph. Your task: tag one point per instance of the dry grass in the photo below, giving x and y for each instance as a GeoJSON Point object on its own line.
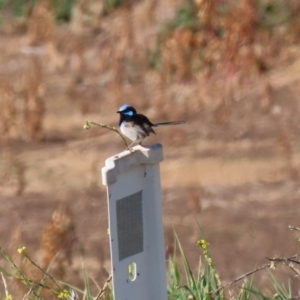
{"type": "Point", "coordinates": [22, 90]}
{"type": "Point", "coordinates": [12, 172]}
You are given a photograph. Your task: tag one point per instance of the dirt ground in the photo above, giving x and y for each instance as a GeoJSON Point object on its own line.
{"type": "Point", "coordinates": [232, 169]}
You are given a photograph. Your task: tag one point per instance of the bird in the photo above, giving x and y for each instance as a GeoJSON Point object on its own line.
{"type": "Point", "coordinates": [136, 126]}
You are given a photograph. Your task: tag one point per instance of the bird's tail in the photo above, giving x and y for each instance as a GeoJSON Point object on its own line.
{"type": "Point", "coordinates": [168, 123]}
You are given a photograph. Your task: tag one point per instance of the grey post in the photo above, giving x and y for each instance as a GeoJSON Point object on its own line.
{"type": "Point", "coordinates": [135, 224]}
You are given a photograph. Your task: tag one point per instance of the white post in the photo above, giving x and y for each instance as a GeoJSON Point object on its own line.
{"type": "Point", "coordinates": [135, 222]}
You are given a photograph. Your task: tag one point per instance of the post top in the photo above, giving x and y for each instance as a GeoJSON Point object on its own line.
{"type": "Point", "coordinates": [123, 161]}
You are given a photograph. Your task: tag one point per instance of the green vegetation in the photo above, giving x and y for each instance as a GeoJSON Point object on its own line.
{"type": "Point", "coordinates": [111, 5]}
{"type": "Point", "coordinates": [63, 9]}
{"type": "Point", "coordinates": [20, 8]}
{"type": "Point", "coordinates": [215, 31]}
{"type": "Point", "coordinates": [186, 17]}
{"type": "Point", "coordinates": [182, 282]}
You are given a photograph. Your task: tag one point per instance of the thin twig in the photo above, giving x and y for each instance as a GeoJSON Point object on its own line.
{"type": "Point", "coordinates": [295, 261]}
{"type": "Point", "coordinates": [242, 277]}
{"type": "Point", "coordinates": [291, 266]}
{"type": "Point", "coordinates": [88, 124]}
{"type": "Point", "coordinates": [46, 272]}
{"type": "Point", "coordinates": [288, 261]}
{"type": "Point", "coordinates": [294, 228]}
{"type": "Point", "coordinates": [28, 293]}
{"type": "Point", "coordinates": [4, 284]}
{"type": "Point", "coordinates": [10, 260]}
{"type": "Point", "coordinates": [283, 258]}
{"type": "Point", "coordinates": [20, 276]}
{"type": "Point", "coordinates": [43, 271]}
{"type": "Point", "coordinates": [102, 291]}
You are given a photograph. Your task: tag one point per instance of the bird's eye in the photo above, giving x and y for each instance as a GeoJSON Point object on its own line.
{"type": "Point", "coordinates": [129, 113]}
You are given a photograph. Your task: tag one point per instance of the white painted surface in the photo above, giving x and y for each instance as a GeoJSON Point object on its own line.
{"type": "Point", "coordinates": [126, 174]}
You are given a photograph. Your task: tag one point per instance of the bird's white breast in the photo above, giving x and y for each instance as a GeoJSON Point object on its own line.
{"type": "Point", "coordinates": [132, 131]}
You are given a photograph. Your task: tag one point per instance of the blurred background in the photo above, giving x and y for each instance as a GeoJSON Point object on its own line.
{"type": "Point", "coordinates": [230, 68]}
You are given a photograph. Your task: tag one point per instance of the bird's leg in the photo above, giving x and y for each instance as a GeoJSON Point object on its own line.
{"type": "Point", "coordinates": [130, 147]}
{"type": "Point", "coordinates": [140, 143]}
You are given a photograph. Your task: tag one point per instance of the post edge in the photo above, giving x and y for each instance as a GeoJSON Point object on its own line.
{"type": "Point", "coordinates": [127, 159]}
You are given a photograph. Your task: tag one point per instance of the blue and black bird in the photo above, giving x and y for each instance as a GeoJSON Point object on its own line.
{"type": "Point", "coordinates": [137, 126]}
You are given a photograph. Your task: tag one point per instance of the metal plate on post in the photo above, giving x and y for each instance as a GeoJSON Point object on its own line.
{"type": "Point", "coordinates": [130, 225]}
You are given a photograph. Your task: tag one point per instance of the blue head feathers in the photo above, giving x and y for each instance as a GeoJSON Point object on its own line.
{"type": "Point", "coordinates": [127, 109]}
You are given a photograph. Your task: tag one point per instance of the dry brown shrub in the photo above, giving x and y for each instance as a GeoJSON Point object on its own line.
{"type": "Point", "coordinates": [86, 12]}
{"type": "Point", "coordinates": [284, 143]}
{"type": "Point", "coordinates": [57, 240]}
{"type": "Point", "coordinates": [34, 100]}
{"type": "Point", "coordinates": [194, 197]}
{"type": "Point", "coordinates": [241, 27]}
{"type": "Point", "coordinates": [8, 110]}
{"type": "Point", "coordinates": [235, 52]}
{"type": "Point", "coordinates": [178, 52]}
{"type": "Point", "coordinates": [56, 252]}
{"type": "Point", "coordinates": [151, 6]}
{"type": "Point", "coordinates": [22, 98]}
{"type": "Point", "coordinates": [207, 12]}
{"type": "Point", "coordinates": [41, 26]}
{"type": "Point", "coordinates": [12, 172]}
{"type": "Point", "coordinates": [228, 53]}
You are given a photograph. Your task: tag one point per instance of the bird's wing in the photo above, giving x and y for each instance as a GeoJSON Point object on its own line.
{"type": "Point", "coordinates": [145, 123]}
